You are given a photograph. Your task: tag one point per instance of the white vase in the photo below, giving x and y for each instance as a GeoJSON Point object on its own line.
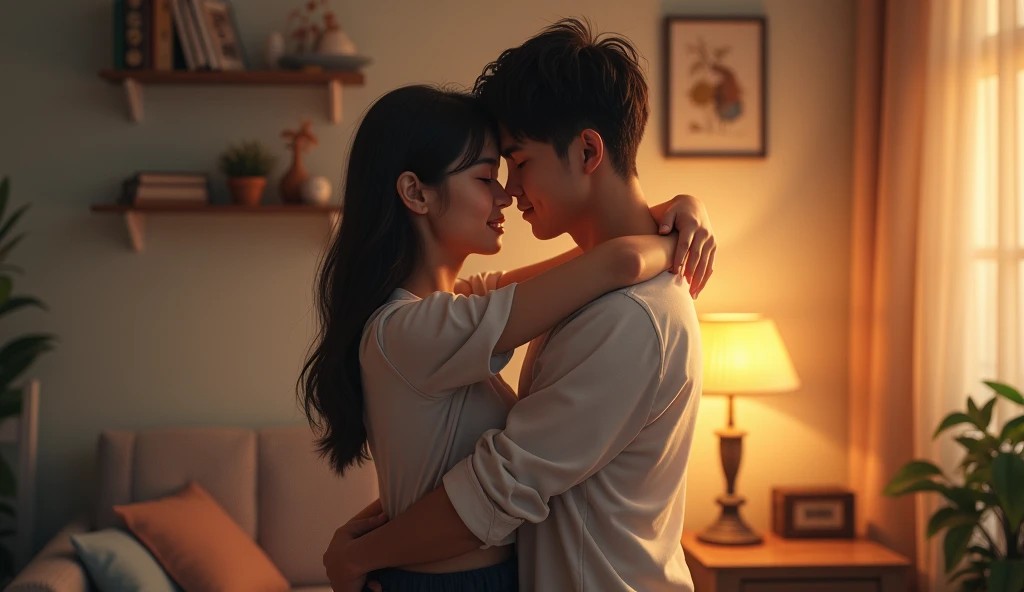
{"type": "Point", "coordinates": [316, 191]}
{"type": "Point", "coordinates": [273, 49]}
{"type": "Point", "coordinates": [335, 42]}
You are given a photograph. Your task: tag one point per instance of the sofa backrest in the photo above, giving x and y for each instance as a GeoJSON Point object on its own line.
{"type": "Point", "coordinates": [269, 480]}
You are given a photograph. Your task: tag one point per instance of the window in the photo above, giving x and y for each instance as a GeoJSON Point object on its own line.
{"type": "Point", "coordinates": [997, 322]}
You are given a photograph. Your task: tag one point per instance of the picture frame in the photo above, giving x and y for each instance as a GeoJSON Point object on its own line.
{"type": "Point", "coordinates": [813, 512]}
{"type": "Point", "coordinates": [227, 42]}
{"type": "Point", "coordinates": [715, 86]}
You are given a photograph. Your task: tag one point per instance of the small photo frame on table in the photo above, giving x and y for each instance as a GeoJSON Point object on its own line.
{"type": "Point", "coordinates": [813, 512]}
{"type": "Point", "coordinates": [227, 42]}
{"type": "Point", "coordinates": [715, 86]}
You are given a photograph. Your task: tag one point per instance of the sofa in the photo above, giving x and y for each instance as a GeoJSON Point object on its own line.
{"type": "Point", "coordinates": [269, 480]}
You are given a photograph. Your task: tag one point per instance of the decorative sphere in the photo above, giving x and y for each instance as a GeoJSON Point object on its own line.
{"type": "Point", "coordinates": [316, 190]}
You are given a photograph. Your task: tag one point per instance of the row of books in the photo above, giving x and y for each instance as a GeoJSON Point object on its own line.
{"type": "Point", "coordinates": [176, 35]}
{"type": "Point", "coordinates": [165, 188]}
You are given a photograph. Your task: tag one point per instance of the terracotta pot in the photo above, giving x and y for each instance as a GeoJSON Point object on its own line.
{"type": "Point", "coordinates": [247, 190]}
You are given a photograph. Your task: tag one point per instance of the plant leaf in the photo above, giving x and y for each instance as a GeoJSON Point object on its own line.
{"type": "Point", "coordinates": [5, 249]}
{"type": "Point", "coordinates": [986, 412]}
{"type": "Point", "coordinates": [972, 408]}
{"type": "Point", "coordinates": [911, 473]}
{"type": "Point", "coordinates": [923, 485]}
{"type": "Point", "coordinates": [8, 484]}
{"type": "Point", "coordinates": [973, 445]}
{"type": "Point", "coordinates": [19, 354]}
{"type": "Point", "coordinates": [1013, 430]}
{"type": "Point", "coordinates": [9, 224]}
{"type": "Point", "coordinates": [6, 286]}
{"type": "Point", "coordinates": [980, 475]}
{"type": "Point", "coordinates": [949, 517]}
{"type": "Point", "coordinates": [1008, 483]}
{"type": "Point", "coordinates": [951, 420]}
{"type": "Point", "coordinates": [964, 498]}
{"type": "Point", "coordinates": [983, 551]}
{"type": "Point", "coordinates": [5, 190]}
{"type": "Point", "coordinates": [10, 407]}
{"type": "Point", "coordinates": [1006, 391]}
{"type": "Point", "coordinates": [974, 568]}
{"type": "Point", "coordinates": [1007, 575]}
{"type": "Point", "coordinates": [17, 302]}
{"type": "Point", "coordinates": [6, 562]}
{"type": "Point", "coordinates": [955, 545]}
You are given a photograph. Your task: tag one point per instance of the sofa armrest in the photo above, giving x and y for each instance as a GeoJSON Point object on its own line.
{"type": "Point", "coordinates": [56, 568]}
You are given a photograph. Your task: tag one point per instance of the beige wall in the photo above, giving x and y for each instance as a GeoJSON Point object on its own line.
{"type": "Point", "coordinates": [210, 324]}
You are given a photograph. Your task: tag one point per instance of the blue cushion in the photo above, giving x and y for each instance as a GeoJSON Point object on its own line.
{"type": "Point", "coordinates": [117, 562]}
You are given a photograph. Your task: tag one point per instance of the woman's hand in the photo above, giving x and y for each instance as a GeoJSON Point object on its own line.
{"type": "Point", "coordinates": [686, 215]}
{"type": "Point", "coordinates": [342, 576]}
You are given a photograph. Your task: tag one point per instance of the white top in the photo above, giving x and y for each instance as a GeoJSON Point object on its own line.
{"type": "Point", "coordinates": [430, 384]}
{"type": "Point", "coordinates": [592, 461]}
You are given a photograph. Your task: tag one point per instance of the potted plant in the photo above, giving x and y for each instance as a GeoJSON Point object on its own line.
{"type": "Point", "coordinates": [16, 355]}
{"type": "Point", "coordinates": [989, 492]}
{"type": "Point", "coordinates": [246, 165]}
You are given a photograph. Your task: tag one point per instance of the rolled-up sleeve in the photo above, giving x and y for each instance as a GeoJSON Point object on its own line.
{"type": "Point", "coordinates": [479, 284]}
{"type": "Point", "coordinates": [594, 386]}
{"type": "Point", "coordinates": [446, 341]}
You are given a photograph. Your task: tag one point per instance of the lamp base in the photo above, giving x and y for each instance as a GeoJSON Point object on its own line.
{"type": "Point", "coordinates": [730, 528]}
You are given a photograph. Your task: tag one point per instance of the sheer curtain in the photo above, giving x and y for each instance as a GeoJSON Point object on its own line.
{"type": "Point", "coordinates": [938, 242]}
{"type": "Point", "coordinates": [968, 297]}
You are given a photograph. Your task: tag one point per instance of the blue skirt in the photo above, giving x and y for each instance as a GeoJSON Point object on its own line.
{"type": "Point", "coordinates": [503, 577]}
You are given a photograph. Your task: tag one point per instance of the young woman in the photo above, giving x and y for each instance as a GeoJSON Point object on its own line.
{"type": "Point", "coordinates": [405, 365]}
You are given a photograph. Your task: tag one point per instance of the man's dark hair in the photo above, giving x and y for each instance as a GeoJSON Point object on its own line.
{"type": "Point", "coordinates": [565, 80]}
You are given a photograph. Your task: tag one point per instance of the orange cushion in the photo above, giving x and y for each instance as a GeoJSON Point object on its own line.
{"type": "Point", "coordinates": [200, 545]}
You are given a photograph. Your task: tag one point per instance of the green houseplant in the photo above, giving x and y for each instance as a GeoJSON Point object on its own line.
{"type": "Point", "coordinates": [246, 165]}
{"type": "Point", "coordinates": [16, 355]}
{"type": "Point", "coordinates": [990, 489]}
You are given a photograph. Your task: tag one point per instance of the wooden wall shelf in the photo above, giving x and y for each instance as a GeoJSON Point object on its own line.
{"type": "Point", "coordinates": [135, 216]}
{"type": "Point", "coordinates": [133, 81]}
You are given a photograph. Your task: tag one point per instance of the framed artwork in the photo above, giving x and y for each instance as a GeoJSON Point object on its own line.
{"type": "Point", "coordinates": [813, 512]}
{"type": "Point", "coordinates": [715, 82]}
{"type": "Point", "coordinates": [227, 43]}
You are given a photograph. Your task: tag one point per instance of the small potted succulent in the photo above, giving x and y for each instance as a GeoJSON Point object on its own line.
{"type": "Point", "coordinates": [247, 165]}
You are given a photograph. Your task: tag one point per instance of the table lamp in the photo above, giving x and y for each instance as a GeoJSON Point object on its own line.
{"type": "Point", "coordinates": [743, 355]}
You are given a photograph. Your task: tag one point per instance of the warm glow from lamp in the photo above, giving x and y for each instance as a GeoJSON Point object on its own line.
{"type": "Point", "coordinates": [744, 354]}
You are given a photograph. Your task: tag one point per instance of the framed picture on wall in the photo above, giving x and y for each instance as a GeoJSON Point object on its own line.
{"type": "Point", "coordinates": [715, 81]}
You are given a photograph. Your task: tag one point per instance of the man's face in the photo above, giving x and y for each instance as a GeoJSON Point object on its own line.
{"type": "Point", "coordinates": [547, 191]}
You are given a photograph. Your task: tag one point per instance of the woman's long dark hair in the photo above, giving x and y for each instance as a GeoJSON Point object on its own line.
{"type": "Point", "coordinates": [428, 131]}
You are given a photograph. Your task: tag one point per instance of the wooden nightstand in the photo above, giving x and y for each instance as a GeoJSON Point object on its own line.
{"type": "Point", "coordinates": [784, 565]}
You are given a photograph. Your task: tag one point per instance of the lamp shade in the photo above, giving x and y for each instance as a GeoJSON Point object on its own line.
{"type": "Point", "coordinates": [744, 355]}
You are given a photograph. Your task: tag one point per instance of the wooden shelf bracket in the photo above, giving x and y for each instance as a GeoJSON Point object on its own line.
{"type": "Point", "coordinates": [133, 91]}
{"type": "Point", "coordinates": [136, 222]}
{"type": "Point", "coordinates": [334, 93]}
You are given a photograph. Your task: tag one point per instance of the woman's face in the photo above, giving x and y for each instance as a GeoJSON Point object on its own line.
{"type": "Point", "coordinates": [473, 221]}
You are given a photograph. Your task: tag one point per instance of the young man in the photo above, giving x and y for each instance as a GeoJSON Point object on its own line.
{"type": "Point", "coordinates": [590, 469]}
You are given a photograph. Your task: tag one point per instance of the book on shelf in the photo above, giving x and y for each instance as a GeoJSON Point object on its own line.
{"type": "Point", "coordinates": [162, 35]}
{"type": "Point", "coordinates": [132, 34]}
{"type": "Point", "coordinates": [165, 188]}
{"type": "Point", "coordinates": [176, 35]}
{"type": "Point", "coordinates": [171, 178]}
